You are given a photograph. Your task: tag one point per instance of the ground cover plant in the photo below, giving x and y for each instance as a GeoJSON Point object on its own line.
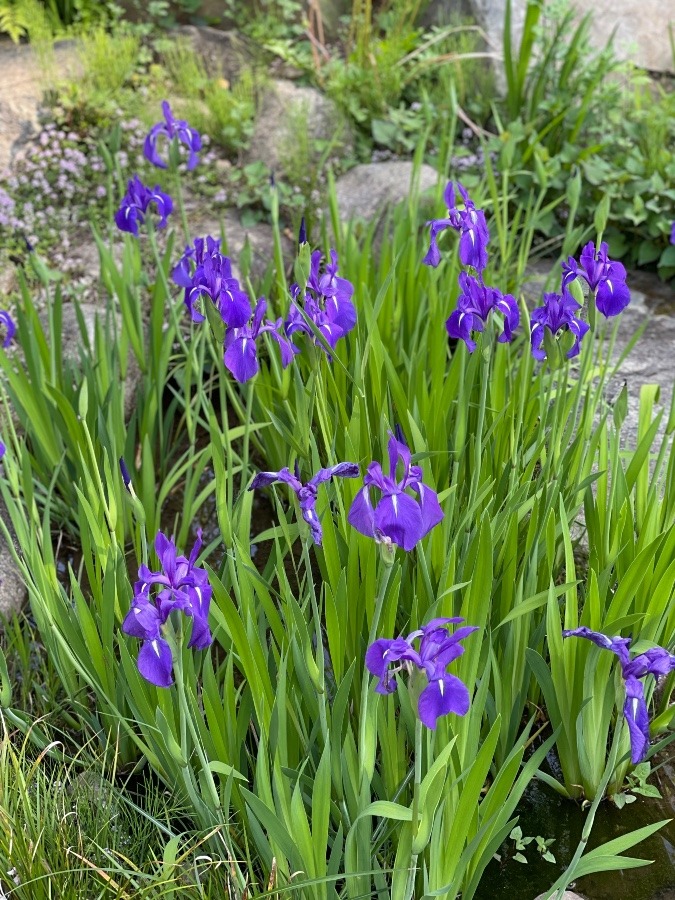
{"type": "Point", "coordinates": [358, 709]}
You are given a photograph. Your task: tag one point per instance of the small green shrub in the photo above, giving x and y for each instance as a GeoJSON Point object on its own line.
{"type": "Point", "coordinates": [213, 106]}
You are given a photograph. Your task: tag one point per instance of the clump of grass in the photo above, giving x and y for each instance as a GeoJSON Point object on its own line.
{"type": "Point", "coordinates": [213, 106]}
{"type": "Point", "coordinates": [67, 829]}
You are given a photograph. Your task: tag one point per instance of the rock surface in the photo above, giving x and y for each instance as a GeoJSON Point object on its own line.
{"type": "Point", "coordinates": [288, 109]}
{"type": "Point", "coordinates": [12, 589]}
{"type": "Point", "coordinates": [260, 237]}
{"type": "Point", "coordinates": [642, 29]}
{"type": "Point", "coordinates": [568, 895]}
{"type": "Point", "coordinates": [23, 79]}
{"type": "Point", "coordinates": [224, 53]}
{"type": "Point", "coordinates": [651, 360]}
{"type": "Point", "coordinates": [367, 190]}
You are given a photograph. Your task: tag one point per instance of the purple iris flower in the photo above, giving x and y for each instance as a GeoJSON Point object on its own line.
{"type": "Point", "coordinates": [672, 234]}
{"type": "Point", "coordinates": [472, 227]}
{"type": "Point", "coordinates": [182, 586]}
{"type": "Point", "coordinates": [307, 492]}
{"type": "Point", "coordinates": [326, 301]}
{"type": "Point", "coordinates": [135, 204]}
{"type": "Point", "coordinates": [398, 517]}
{"type": "Point", "coordinates": [213, 278]}
{"type": "Point", "coordinates": [172, 129]}
{"type": "Point", "coordinates": [474, 305]}
{"type": "Point", "coordinates": [557, 314]}
{"type": "Point", "coordinates": [10, 327]}
{"type": "Point", "coordinates": [241, 350]}
{"type": "Point", "coordinates": [3, 449]}
{"type": "Point", "coordinates": [438, 647]}
{"type": "Point", "coordinates": [656, 661]}
{"type": "Point", "coordinates": [193, 257]}
{"type": "Point", "coordinates": [603, 276]}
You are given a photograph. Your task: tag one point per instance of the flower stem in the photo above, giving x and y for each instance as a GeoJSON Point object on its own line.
{"type": "Point", "coordinates": [570, 874]}
{"type": "Point", "coordinates": [385, 574]}
{"type": "Point", "coordinates": [410, 889]}
{"type": "Point", "coordinates": [247, 425]}
{"type": "Point", "coordinates": [321, 686]}
{"type": "Point", "coordinates": [187, 721]}
{"type": "Point", "coordinates": [478, 443]}
{"type": "Point", "coordinates": [181, 206]}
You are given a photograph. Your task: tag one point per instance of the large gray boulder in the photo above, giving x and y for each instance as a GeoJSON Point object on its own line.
{"type": "Point", "coordinates": [366, 191]}
{"type": "Point", "coordinates": [641, 32]}
{"type": "Point", "coordinates": [296, 127]}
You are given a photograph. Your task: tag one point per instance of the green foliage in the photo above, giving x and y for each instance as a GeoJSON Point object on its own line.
{"type": "Point", "coordinates": [15, 18]}
{"type": "Point", "coordinates": [561, 115]}
{"type": "Point", "coordinates": [112, 60]}
{"type": "Point", "coordinates": [86, 13]}
{"type": "Point", "coordinates": [67, 829]}
{"type": "Point", "coordinates": [266, 21]}
{"type": "Point", "coordinates": [521, 842]}
{"type": "Point", "coordinates": [109, 59]}
{"type": "Point", "coordinates": [225, 112]}
{"type": "Point", "coordinates": [638, 173]}
{"type": "Point", "coordinates": [34, 18]}
{"type": "Point", "coordinates": [274, 740]}
{"type": "Point", "coordinates": [28, 19]}
{"type": "Point", "coordinates": [397, 80]}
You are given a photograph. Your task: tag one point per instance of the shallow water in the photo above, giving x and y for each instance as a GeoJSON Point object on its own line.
{"type": "Point", "coordinates": [543, 812]}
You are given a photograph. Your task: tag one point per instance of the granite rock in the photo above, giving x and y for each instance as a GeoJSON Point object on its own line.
{"type": "Point", "coordinates": [641, 30]}
{"type": "Point", "coordinates": [367, 190]}
{"type": "Point", "coordinates": [285, 108]}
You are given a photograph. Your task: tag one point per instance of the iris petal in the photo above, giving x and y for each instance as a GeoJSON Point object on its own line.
{"type": "Point", "coordinates": [444, 695]}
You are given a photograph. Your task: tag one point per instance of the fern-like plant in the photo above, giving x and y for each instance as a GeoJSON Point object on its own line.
{"type": "Point", "coordinates": [15, 18]}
